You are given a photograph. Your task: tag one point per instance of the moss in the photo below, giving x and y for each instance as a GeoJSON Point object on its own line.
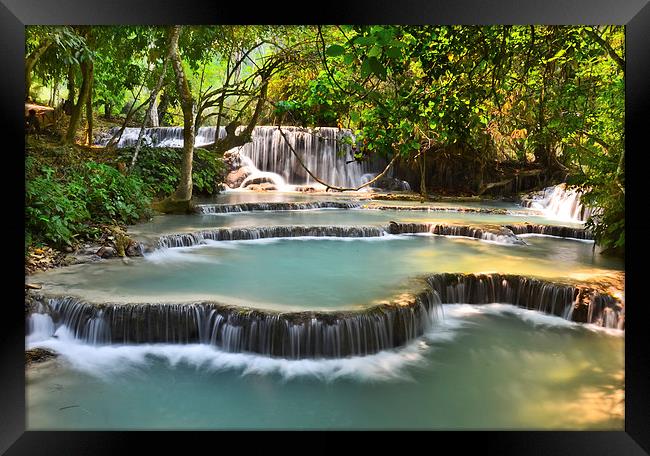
{"type": "Point", "coordinates": [172, 206]}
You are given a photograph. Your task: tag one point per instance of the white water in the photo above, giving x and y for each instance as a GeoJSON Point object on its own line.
{"type": "Point", "coordinates": [268, 155]}
{"type": "Point", "coordinates": [162, 137]}
{"type": "Point", "coordinates": [560, 203]}
{"type": "Point", "coordinates": [105, 361]}
{"type": "Point", "coordinates": [321, 150]}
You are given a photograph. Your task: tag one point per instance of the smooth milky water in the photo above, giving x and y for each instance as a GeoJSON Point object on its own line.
{"type": "Point", "coordinates": [316, 273]}
{"type": "Point", "coordinates": [484, 367]}
{"type": "Point", "coordinates": [186, 223]}
{"type": "Point", "coordinates": [481, 367]}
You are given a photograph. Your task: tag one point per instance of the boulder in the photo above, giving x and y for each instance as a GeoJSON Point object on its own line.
{"type": "Point", "coordinates": [38, 355]}
{"type": "Point", "coordinates": [391, 184]}
{"type": "Point", "coordinates": [106, 252]}
{"type": "Point", "coordinates": [264, 187]}
{"type": "Point", "coordinates": [235, 178]}
{"type": "Point", "coordinates": [133, 249]}
{"type": "Point", "coordinates": [259, 180]}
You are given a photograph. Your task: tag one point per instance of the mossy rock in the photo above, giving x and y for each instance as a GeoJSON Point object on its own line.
{"type": "Point", "coordinates": [38, 355]}
{"type": "Point", "coordinates": [172, 206]}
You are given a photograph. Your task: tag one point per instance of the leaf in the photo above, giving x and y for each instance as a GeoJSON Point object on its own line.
{"type": "Point", "coordinates": [364, 40]}
{"type": "Point", "coordinates": [377, 68]}
{"type": "Point", "coordinates": [375, 51]}
{"type": "Point", "coordinates": [335, 50]}
{"type": "Point", "coordinates": [365, 68]}
{"type": "Point", "coordinates": [393, 52]}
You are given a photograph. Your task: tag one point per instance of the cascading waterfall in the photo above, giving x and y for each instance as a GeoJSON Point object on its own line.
{"type": "Point", "coordinates": [498, 234]}
{"type": "Point", "coordinates": [478, 210]}
{"type": "Point", "coordinates": [321, 150]}
{"type": "Point", "coordinates": [288, 335]}
{"type": "Point", "coordinates": [242, 234]}
{"type": "Point", "coordinates": [161, 136]}
{"type": "Point", "coordinates": [576, 303]}
{"type": "Point", "coordinates": [559, 202]}
{"type": "Point", "coordinates": [551, 230]}
{"type": "Point", "coordinates": [276, 206]}
{"type": "Point", "coordinates": [269, 157]}
{"type": "Point", "coordinates": [501, 235]}
{"type": "Point", "coordinates": [298, 335]}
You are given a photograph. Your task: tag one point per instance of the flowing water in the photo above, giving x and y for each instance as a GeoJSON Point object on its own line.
{"type": "Point", "coordinates": [317, 273]}
{"type": "Point", "coordinates": [488, 367]}
{"type": "Point", "coordinates": [313, 311]}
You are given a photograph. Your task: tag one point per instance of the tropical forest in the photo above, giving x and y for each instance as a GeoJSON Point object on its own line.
{"type": "Point", "coordinates": [324, 227]}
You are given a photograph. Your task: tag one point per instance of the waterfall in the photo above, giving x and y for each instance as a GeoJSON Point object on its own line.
{"type": "Point", "coordinates": [161, 136]}
{"type": "Point", "coordinates": [39, 327]}
{"type": "Point", "coordinates": [559, 202]}
{"type": "Point", "coordinates": [424, 208]}
{"type": "Point", "coordinates": [294, 335]}
{"type": "Point", "coordinates": [274, 206]}
{"type": "Point", "coordinates": [243, 234]}
{"type": "Point", "coordinates": [500, 235]}
{"type": "Point", "coordinates": [551, 230]}
{"type": "Point", "coordinates": [309, 334]}
{"type": "Point", "coordinates": [576, 303]}
{"type": "Point", "coordinates": [321, 149]}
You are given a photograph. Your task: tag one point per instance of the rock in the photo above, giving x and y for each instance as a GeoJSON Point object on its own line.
{"type": "Point", "coordinates": [235, 178]}
{"type": "Point", "coordinates": [38, 355]}
{"type": "Point", "coordinates": [259, 180]}
{"type": "Point", "coordinates": [391, 184]}
{"type": "Point", "coordinates": [106, 252]}
{"type": "Point", "coordinates": [133, 249]}
{"type": "Point", "coordinates": [232, 159]}
{"type": "Point", "coordinates": [305, 189]}
{"type": "Point", "coordinates": [69, 249]}
{"type": "Point", "coordinates": [33, 286]}
{"type": "Point", "coordinates": [173, 206]}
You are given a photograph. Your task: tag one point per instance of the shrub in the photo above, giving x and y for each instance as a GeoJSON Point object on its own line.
{"type": "Point", "coordinates": [62, 209]}
{"type": "Point", "coordinates": [159, 167]}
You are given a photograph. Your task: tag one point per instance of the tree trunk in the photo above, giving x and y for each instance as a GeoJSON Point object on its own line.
{"type": "Point", "coordinates": [72, 88]}
{"type": "Point", "coordinates": [162, 108]}
{"type": "Point", "coordinates": [76, 110]}
{"type": "Point", "coordinates": [107, 110]}
{"type": "Point", "coordinates": [152, 103]}
{"type": "Point", "coordinates": [153, 115]}
{"type": "Point", "coordinates": [184, 190]}
{"type": "Point", "coordinates": [30, 61]}
{"type": "Point", "coordinates": [89, 104]}
{"type": "Point", "coordinates": [423, 172]}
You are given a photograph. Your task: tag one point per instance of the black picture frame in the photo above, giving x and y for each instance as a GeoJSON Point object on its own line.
{"type": "Point", "coordinates": [15, 14]}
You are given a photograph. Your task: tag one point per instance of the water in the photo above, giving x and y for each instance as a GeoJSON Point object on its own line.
{"type": "Point", "coordinates": [560, 203]}
{"type": "Point", "coordinates": [161, 136]}
{"type": "Point", "coordinates": [187, 223]}
{"type": "Point", "coordinates": [322, 150]}
{"type": "Point", "coordinates": [317, 273]}
{"type": "Point", "coordinates": [487, 367]}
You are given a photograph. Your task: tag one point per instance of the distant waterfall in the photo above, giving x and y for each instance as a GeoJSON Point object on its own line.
{"type": "Point", "coordinates": [161, 136]}
{"type": "Point", "coordinates": [321, 149]}
{"type": "Point", "coordinates": [559, 202]}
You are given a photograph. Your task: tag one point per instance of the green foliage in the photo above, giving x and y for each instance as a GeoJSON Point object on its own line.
{"type": "Point", "coordinates": [548, 97]}
{"type": "Point", "coordinates": [61, 210]}
{"type": "Point", "coordinates": [159, 169]}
